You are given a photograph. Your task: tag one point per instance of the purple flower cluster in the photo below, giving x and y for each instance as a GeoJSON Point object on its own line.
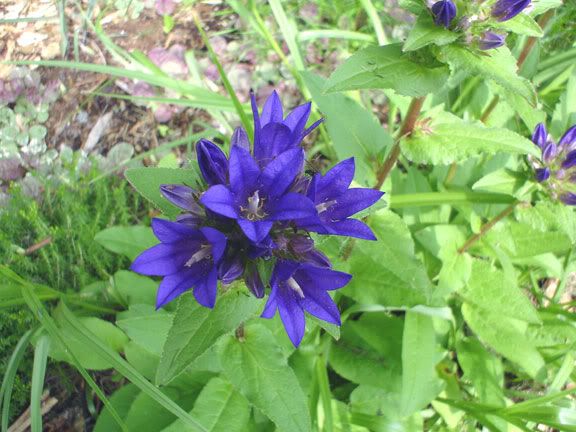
{"type": "Point", "coordinates": [504, 10]}
{"type": "Point", "coordinates": [558, 162]}
{"type": "Point", "coordinates": [257, 210]}
{"type": "Point", "coordinates": [444, 12]}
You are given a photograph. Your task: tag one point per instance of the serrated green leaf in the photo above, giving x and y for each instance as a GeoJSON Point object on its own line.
{"type": "Point", "coordinates": [497, 64]}
{"type": "Point", "coordinates": [450, 139]}
{"type": "Point", "coordinates": [425, 32]}
{"type": "Point", "coordinates": [505, 335]}
{"type": "Point", "coordinates": [541, 6]}
{"type": "Point", "coordinates": [387, 67]}
{"type": "Point", "coordinates": [134, 288]}
{"type": "Point", "coordinates": [108, 333]}
{"type": "Point", "coordinates": [366, 354]}
{"type": "Point", "coordinates": [489, 289]}
{"type": "Point", "coordinates": [483, 369]}
{"type": "Point", "coordinates": [129, 241]}
{"type": "Point", "coordinates": [503, 181]}
{"type": "Point", "coordinates": [529, 114]}
{"type": "Point", "coordinates": [420, 383]}
{"type": "Point", "coordinates": [196, 328]}
{"type": "Point", "coordinates": [258, 368]}
{"type": "Point", "coordinates": [146, 326]}
{"type": "Point", "coordinates": [147, 182]}
{"type": "Point", "coordinates": [521, 24]}
{"type": "Point", "coordinates": [522, 241]}
{"type": "Point", "coordinates": [387, 272]}
{"type": "Point", "coordinates": [121, 400]}
{"type": "Point", "coordinates": [547, 216]}
{"type": "Point", "coordinates": [145, 414]}
{"type": "Point", "coordinates": [219, 408]}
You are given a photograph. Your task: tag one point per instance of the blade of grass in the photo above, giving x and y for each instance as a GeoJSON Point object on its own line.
{"type": "Point", "coordinates": [9, 375]}
{"type": "Point", "coordinates": [203, 97]}
{"type": "Point", "coordinates": [42, 315]}
{"type": "Point", "coordinates": [452, 198]}
{"type": "Point", "coordinates": [27, 19]}
{"type": "Point", "coordinates": [63, 27]}
{"type": "Point", "coordinates": [375, 20]}
{"type": "Point", "coordinates": [325, 395]}
{"type": "Point", "coordinates": [196, 75]}
{"type": "Point", "coordinates": [165, 100]}
{"type": "Point", "coordinates": [308, 35]}
{"type": "Point", "coordinates": [126, 369]}
{"type": "Point", "coordinates": [37, 387]}
{"type": "Point", "coordinates": [288, 29]}
{"type": "Point", "coordinates": [166, 146]}
{"type": "Point", "coordinates": [246, 121]}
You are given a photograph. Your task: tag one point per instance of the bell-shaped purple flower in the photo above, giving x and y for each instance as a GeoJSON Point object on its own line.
{"type": "Point", "coordinates": [542, 174]}
{"type": "Point", "coordinates": [254, 282]}
{"type": "Point", "coordinates": [274, 134]}
{"type": "Point", "coordinates": [230, 268]}
{"type": "Point", "coordinates": [212, 162]}
{"type": "Point", "coordinates": [570, 161]}
{"type": "Point", "coordinates": [299, 287]}
{"type": "Point", "coordinates": [569, 198]}
{"type": "Point", "coordinates": [257, 198]}
{"type": "Point", "coordinates": [540, 135]}
{"type": "Point", "coordinates": [491, 40]}
{"type": "Point", "coordinates": [504, 10]}
{"type": "Point", "coordinates": [444, 12]}
{"type": "Point", "coordinates": [568, 140]}
{"type": "Point", "coordinates": [240, 139]}
{"type": "Point", "coordinates": [183, 197]}
{"type": "Point", "coordinates": [335, 203]}
{"type": "Point", "coordinates": [549, 151]}
{"type": "Point", "coordinates": [186, 258]}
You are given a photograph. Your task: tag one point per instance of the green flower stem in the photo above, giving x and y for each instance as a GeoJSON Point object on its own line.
{"type": "Point", "coordinates": [451, 198]}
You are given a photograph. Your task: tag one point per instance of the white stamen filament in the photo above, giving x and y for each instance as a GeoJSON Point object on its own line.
{"type": "Point", "coordinates": [322, 207]}
{"type": "Point", "coordinates": [294, 285]}
{"type": "Point", "coordinates": [254, 203]}
{"type": "Point", "coordinates": [204, 252]}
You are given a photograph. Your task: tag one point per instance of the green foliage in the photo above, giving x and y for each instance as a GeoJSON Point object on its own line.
{"type": "Point", "coordinates": [387, 67]}
{"type": "Point", "coordinates": [425, 32]}
{"type": "Point", "coordinates": [499, 65]}
{"type": "Point", "coordinates": [70, 216]}
{"type": "Point", "coordinates": [460, 315]}
{"type": "Point", "coordinates": [258, 369]}
{"type": "Point", "coordinates": [388, 273]}
{"type": "Point", "coordinates": [449, 139]}
{"type": "Point", "coordinates": [195, 329]}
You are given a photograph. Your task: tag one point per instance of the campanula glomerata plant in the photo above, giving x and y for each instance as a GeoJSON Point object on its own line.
{"type": "Point", "coordinates": [395, 253]}
{"type": "Point", "coordinates": [259, 204]}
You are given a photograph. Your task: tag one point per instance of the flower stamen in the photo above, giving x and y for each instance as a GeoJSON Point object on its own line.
{"type": "Point", "coordinates": [204, 252]}
{"type": "Point", "coordinates": [322, 207]}
{"type": "Point", "coordinates": [291, 282]}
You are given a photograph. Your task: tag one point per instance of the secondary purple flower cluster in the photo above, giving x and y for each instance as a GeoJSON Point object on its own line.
{"type": "Point", "coordinates": [558, 162]}
{"type": "Point", "coordinates": [256, 209]}
{"type": "Point", "coordinates": [444, 12]}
